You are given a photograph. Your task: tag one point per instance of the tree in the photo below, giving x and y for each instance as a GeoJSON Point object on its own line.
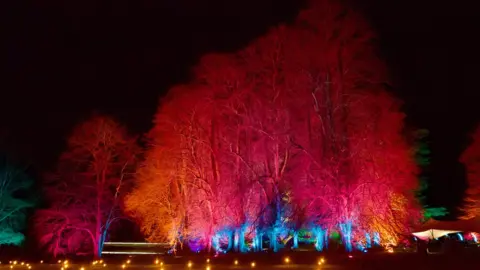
{"type": "Point", "coordinates": [353, 132]}
{"type": "Point", "coordinates": [422, 155]}
{"type": "Point", "coordinates": [14, 202]}
{"type": "Point", "coordinates": [471, 160]}
{"type": "Point", "coordinates": [225, 79]}
{"type": "Point", "coordinates": [181, 163]}
{"type": "Point", "coordinates": [86, 189]}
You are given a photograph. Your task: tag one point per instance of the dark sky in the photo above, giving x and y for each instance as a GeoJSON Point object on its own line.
{"type": "Point", "coordinates": [64, 59]}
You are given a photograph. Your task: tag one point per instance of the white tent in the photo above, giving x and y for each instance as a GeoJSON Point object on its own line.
{"type": "Point", "coordinates": [434, 228]}
{"type": "Point", "coordinates": [432, 234]}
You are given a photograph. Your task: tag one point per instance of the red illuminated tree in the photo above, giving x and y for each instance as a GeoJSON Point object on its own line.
{"type": "Point", "coordinates": [471, 160]}
{"type": "Point", "coordinates": [85, 191]}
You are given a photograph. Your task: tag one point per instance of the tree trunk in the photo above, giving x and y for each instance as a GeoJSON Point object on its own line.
{"type": "Point", "coordinates": [319, 239]}
{"type": "Point", "coordinates": [273, 240]}
{"type": "Point", "coordinates": [346, 229]}
{"type": "Point", "coordinates": [295, 239]}
{"type": "Point", "coordinates": [98, 216]}
{"type": "Point", "coordinates": [368, 240]}
{"type": "Point", "coordinates": [96, 245]}
{"type": "Point", "coordinates": [236, 240]}
{"type": "Point", "coordinates": [326, 238]}
{"type": "Point", "coordinates": [209, 243]}
{"type": "Point", "coordinates": [260, 242]}
{"type": "Point", "coordinates": [243, 249]}
{"type": "Point", "coordinates": [376, 239]}
{"type": "Point", "coordinates": [230, 241]}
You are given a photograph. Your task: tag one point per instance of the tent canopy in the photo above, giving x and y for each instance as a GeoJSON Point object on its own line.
{"type": "Point", "coordinates": [432, 234]}
{"type": "Point", "coordinates": [435, 228]}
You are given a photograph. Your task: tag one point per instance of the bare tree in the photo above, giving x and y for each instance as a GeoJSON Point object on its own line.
{"type": "Point", "coordinates": [86, 190]}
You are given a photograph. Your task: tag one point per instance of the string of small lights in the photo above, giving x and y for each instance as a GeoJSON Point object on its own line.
{"type": "Point", "coordinates": [157, 262]}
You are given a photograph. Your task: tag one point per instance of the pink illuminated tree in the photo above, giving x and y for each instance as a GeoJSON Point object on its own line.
{"type": "Point", "coordinates": [85, 191]}
{"type": "Point", "coordinates": [295, 131]}
{"type": "Point", "coordinates": [341, 82]}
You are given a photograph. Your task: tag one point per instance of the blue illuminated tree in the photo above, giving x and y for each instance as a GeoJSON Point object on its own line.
{"type": "Point", "coordinates": [14, 186]}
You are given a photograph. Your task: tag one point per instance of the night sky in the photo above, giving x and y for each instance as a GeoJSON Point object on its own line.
{"type": "Point", "coordinates": [64, 59]}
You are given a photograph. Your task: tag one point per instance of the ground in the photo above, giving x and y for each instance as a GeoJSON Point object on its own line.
{"type": "Point", "coordinates": [272, 261]}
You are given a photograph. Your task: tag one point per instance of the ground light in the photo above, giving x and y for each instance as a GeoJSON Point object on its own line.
{"type": "Point", "coordinates": [104, 265]}
{"type": "Point", "coordinates": [189, 264]}
{"type": "Point", "coordinates": [252, 264]}
{"type": "Point", "coordinates": [207, 268]}
{"type": "Point", "coordinates": [41, 261]}
{"type": "Point", "coordinates": [208, 260]}
{"type": "Point", "coordinates": [235, 262]}
{"type": "Point", "coordinates": [123, 266]}
{"type": "Point", "coordinates": [128, 261]}
{"type": "Point", "coordinates": [157, 261]}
